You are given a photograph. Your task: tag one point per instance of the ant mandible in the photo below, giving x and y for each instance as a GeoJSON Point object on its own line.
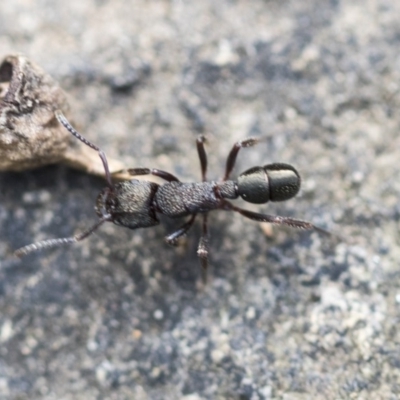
{"type": "Point", "coordinates": [135, 203]}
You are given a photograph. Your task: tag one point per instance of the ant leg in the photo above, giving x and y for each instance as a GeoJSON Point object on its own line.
{"type": "Point", "coordinates": [202, 250]}
{"type": "Point", "coordinates": [168, 176]}
{"type": "Point", "coordinates": [172, 239]}
{"type": "Point", "coordinates": [202, 156]}
{"type": "Point", "coordinates": [150, 171]}
{"type": "Point", "coordinates": [231, 160]}
{"type": "Point", "coordinates": [63, 121]}
{"type": "Point", "coordinates": [45, 244]}
{"type": "Point", "coordinates": [274, 219]}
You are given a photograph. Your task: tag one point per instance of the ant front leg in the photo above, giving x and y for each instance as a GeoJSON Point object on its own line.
{"type": "Point", "coordinates": [150, 171]}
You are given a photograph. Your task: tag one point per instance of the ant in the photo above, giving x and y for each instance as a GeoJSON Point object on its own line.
{"type": "Point", "coordinates": [135, 203]}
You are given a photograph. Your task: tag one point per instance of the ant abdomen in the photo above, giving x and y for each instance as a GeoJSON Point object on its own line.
{"type": "Point", "coordinates": [272, 182]}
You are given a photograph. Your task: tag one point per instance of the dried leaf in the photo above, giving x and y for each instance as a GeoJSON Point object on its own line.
{"type": "Point", "coordinates": [30, 135]}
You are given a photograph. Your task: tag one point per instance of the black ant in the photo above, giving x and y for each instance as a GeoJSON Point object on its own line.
{"type": "Point", "coordinates": [135, 203]}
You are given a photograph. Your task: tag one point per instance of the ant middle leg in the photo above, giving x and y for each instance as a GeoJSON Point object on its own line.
{"type": "Point", "coordinates": [166, 175]}
{"type": "Point", "coordinates": [231, 160]}
{"type": "Point", "coordinates": [172, 239]}
{"type": "Point", "coordinates": [202, 156]}
{"type": "Point", "coordinates": [203, 248]}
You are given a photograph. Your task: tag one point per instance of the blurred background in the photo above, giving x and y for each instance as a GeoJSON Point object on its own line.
{"type": "Point", "coordinates": [285, 314]}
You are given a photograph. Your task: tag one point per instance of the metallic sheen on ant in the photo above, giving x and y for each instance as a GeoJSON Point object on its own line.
{"type": "Point", "coordinates": [135, 203]}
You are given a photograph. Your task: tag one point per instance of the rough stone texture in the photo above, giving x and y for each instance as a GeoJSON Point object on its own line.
{"type": "Point", "coordinates": [286, 314]}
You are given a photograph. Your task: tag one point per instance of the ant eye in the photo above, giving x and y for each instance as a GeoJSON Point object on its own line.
{"type": "Point", "coordinates": [112, 203]}
{"type": "Point", "coordinates": [115, 203]}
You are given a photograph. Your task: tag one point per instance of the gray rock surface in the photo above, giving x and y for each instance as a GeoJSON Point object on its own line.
{"type": "Point", "coordinates": [285, 314]}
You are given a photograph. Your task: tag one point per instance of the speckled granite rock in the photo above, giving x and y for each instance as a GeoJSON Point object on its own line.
{"type": "Point", "coordinates": [286, 314]}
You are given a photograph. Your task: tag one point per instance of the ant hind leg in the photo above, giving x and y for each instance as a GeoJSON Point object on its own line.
{"type": "Point", "coordinates": [231, 160]}
{"type": "Point", "coordinates": [274, 219]}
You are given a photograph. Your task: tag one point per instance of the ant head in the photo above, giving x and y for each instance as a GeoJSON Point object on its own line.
{"type": "Point", "coordinates": [129, 204]}
{"type": "Point", "coordinates": [272, 182]}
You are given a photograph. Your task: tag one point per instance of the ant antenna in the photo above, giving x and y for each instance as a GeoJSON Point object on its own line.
{"type": "Point", "coordinates": [63, 121]}
{"type": "Point", "coordinates": [45, 244]}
